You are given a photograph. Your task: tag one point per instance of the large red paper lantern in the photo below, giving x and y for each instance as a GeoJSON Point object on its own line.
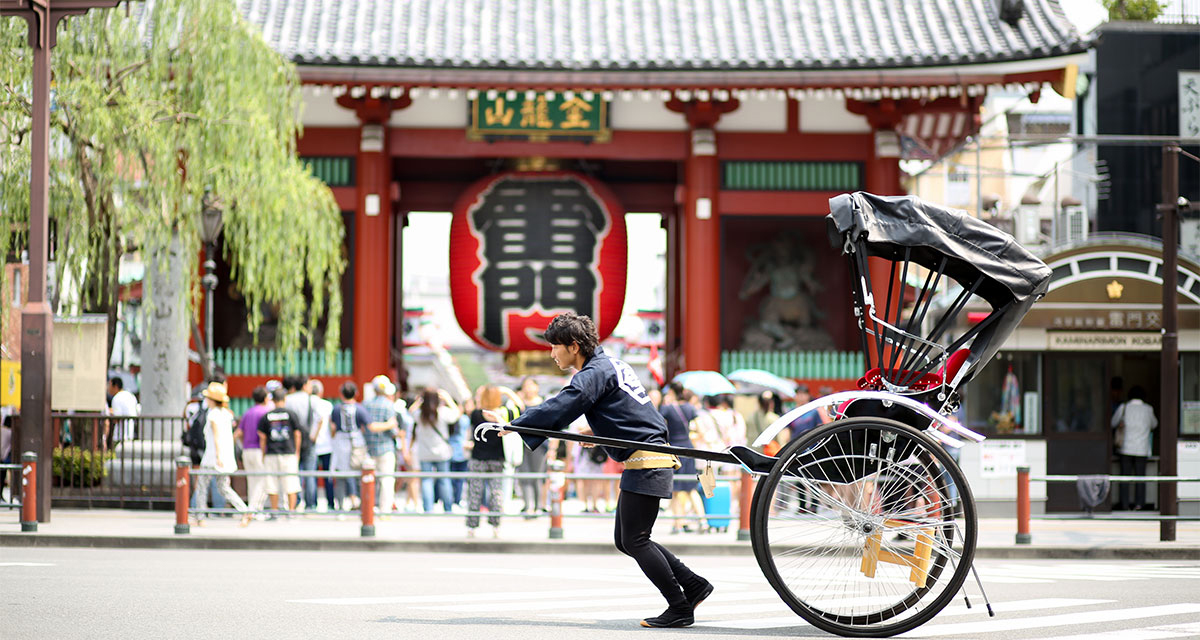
{"type": "Point", "coordinates": [525, 247]}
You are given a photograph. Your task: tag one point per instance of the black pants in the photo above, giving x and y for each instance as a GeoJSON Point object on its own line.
{"type": "Point", "coordinates": [636, 514]}
{"type": "Point", "coordinates": [1133, 466]}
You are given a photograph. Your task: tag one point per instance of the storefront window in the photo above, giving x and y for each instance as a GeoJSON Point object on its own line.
{"type": "Point", "coordinates": [1004, 398]}
{"type": "Point", "coordinates": [1189, 389]}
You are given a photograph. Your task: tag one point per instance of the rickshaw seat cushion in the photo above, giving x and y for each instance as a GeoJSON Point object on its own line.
{"type": "Point", "coordinates": [873, 379]}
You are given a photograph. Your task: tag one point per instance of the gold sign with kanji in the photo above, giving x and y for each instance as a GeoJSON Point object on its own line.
{"type": "Point", "coordinates": [540, 116]}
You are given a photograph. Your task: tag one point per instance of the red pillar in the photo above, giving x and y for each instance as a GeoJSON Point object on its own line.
{"type": "Point", "coordinates": [701, 263]}
{"type": "Point", "coordinates": [372, 246]}
{"type": "Point", "coordinates": [882, 177]}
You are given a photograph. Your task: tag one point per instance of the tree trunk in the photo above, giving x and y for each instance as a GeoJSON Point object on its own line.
{"type": "Point", "coordinates": [164, 358]}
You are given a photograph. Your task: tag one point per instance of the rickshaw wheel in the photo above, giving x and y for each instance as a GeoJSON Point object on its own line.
{"type": "Point", "coordinates": [857, 523]}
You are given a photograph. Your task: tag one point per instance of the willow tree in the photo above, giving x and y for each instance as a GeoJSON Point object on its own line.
{"type": "Point", "coordinates": [159, 109]}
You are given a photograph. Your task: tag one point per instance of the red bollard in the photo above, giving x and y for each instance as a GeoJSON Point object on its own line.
{"type": "Point", "coordinates": [558, 493]}
{"type": "Point", "coordinates": [28, 491]}
{"type": "Point", "coordinates": [1023, 536]}
{"type": "Point", "coordinates": [745, 495]}
{"type": "Point", "coordinates": [368, 499]}
{"type": "Point", "coordinates": [183, 494]}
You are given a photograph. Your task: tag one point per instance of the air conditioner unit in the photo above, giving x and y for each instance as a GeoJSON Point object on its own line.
{"type": "Point", "coordinates": [1070, 225]}
{"type": "Point", "coordinates": [1028, 223]}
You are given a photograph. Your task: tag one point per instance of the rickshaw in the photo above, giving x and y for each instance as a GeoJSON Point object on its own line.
{"type": "Point", "coordinates": [866, 526]}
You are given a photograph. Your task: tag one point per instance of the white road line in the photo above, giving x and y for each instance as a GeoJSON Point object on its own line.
{"type": "Point", "coordinates": [27, 564]}
{"type": "Point", "coordinates": [1001, 608]}
{"type": "Point", "coordinates": [650, 601]}
{"type": "Point", "coordinates": [1157, 632]}
{"type": "Point", "coordinates": [459, 597]}
{"type": "Point", "coordinates": [576, 604]}
{"type": "Point", "coordinates": [708, 611]}
{"type": "Point", "coordinates": [1089, 617]}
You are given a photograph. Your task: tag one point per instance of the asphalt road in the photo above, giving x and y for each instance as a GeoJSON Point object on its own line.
{"type": "Point", "coordinates": [104, 593]}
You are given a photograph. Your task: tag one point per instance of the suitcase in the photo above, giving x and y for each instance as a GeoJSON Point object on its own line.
{"type": "Point", "coordinates": [720, 504]}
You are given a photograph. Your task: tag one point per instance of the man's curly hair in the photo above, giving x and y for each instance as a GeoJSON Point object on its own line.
{"type": "Point", "coordinates": [570, 327]}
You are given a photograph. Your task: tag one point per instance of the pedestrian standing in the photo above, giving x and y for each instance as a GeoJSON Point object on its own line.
{"type": "Point", "coordinates": [532, 490]}
{"type": "Point", "coordinates": [684, 499]}
{"type": "Point", "coordinates": [487, 456]}
{"type": "Point", "coordinates": [460, 443]}
{"type": "Point", "coordinates": [1134, 422]}
{"type": "Point", "coordinates": [280, 432]}
{"type": "Point", "coordinates": [123, 403]}
{"type": "Point", "coordinates": [434, 413]}
{"type": "Point", "coordinates": [349, 422]}
{"type": "Point", "coordinates": [301, 404]}
{"type": "Point", "coordinates": [380, 438]}
{"type": "Point", "coordinates": [218, 452]}
{"type": "Point", "coordinates": [322, 435]}
{"type": "Point", "coordinates": [608, 392]}
{"type": "Point", "coordinates": [252, 452]}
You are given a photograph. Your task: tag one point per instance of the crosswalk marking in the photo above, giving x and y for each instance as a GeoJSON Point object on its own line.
{"type": "Point", "coordinates": [793, 620]}
{"type": "Point", "coordinates": [478, 597]}
{"type": "Point", "coordinates": [994, 625]}
{"type": "Point", "coordinates": [577, 604]}
{"type": "Point", "coordinates": [1157, 632]}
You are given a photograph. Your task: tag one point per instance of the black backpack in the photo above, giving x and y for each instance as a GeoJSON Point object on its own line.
{"type": "Point", "coordinates": [193, 436]}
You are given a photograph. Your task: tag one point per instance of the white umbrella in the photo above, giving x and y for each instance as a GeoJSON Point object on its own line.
{"type": "Point", "coordinates": [765, 379]}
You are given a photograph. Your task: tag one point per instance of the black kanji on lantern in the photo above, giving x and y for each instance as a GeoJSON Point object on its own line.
{"type": "Point", "coordinates": [538, 248]}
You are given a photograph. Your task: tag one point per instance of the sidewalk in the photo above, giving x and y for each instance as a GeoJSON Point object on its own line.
{"type": "Point", "coordinates": [587, 534]}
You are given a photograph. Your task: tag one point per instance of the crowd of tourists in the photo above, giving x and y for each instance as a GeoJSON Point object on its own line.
{"type": "Point", "coordinates": [293, 427]}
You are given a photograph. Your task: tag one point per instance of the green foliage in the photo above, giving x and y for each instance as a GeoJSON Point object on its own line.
{"type": "Point", "coordinates": [157, 108]}
{"type": "Point", "coordinates": [1137, 10]}
{"type": "Point", "coordinates": [75, 467]}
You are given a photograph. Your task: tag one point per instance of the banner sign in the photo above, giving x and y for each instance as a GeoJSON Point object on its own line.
{"type": "Point", "coordinates": [525, 247]}
{"type": "Point", "coordinates": [540, 115]}
{"type": "Point", "coordinates": [1103, 341]}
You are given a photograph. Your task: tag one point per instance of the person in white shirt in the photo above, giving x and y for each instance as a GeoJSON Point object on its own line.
{"type": "Point", "coordinates": [1134, 421]}
{"type": "Point", "coordinates": [323, 438]}
{"type": "Point", "coordinates": [123, 403]}
{"type": "Point", "coordinates": [218, 450]}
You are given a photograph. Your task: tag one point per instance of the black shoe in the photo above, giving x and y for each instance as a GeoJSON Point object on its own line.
{"type": "Point", "coordinates": [698, 594]}
{"type": "Point", "coordinates": [671, 618]}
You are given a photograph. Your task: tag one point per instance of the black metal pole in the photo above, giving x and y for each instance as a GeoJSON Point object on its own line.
{"type": "Point", "coordinates": [701, 454]}
{"type": "Point", "coordinates": [210, 286]}
{"type": "Point", "coordinates": [1169, 411]}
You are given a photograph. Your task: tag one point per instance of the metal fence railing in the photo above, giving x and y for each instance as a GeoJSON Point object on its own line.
{"type": "Point", "coordinates": [11, 485]}
{"type": "Point", "coordinates": [105, 461]}
{"type": "Point", "coordinates": [1025, 515]}
{"type": "Point", "coordinates": [556, 482]}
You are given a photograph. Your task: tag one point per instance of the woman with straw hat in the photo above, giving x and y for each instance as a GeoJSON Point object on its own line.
{"type": "Point", "coordinates": [218, 450]}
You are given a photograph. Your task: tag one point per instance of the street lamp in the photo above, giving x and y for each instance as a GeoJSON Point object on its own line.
{"type": "Point", "coordinates": [210, 228]}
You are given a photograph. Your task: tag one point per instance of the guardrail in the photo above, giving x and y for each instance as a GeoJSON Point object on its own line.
{"type": "Point", "coordinates": [119, 462]}
{"type": "Point", "coordinates": [1024, 515]}
{"type": "Point", "coordinates": [557, 482]}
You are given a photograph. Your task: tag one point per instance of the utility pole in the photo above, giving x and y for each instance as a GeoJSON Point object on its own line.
{"type": "Point", "coordinates": [37, 321]}
{"type": "Point", "coordinates": [1169, 411]}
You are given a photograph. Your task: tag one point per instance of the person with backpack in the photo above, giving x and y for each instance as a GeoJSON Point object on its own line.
{"type": "Point", "coordinates": [348, 422]}
{"type": "Point", "coordinates": [300, 402]}
{"type": "Point", "coordinates": [434, 414]}
{"type": "Point", "coordinates": [196, 415]}
{"type": "Point", "coordinates": [218, 450]}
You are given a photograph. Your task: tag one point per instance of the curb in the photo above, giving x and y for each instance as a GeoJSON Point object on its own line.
{"type": "Point", "coordinates": [1188, 552]}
